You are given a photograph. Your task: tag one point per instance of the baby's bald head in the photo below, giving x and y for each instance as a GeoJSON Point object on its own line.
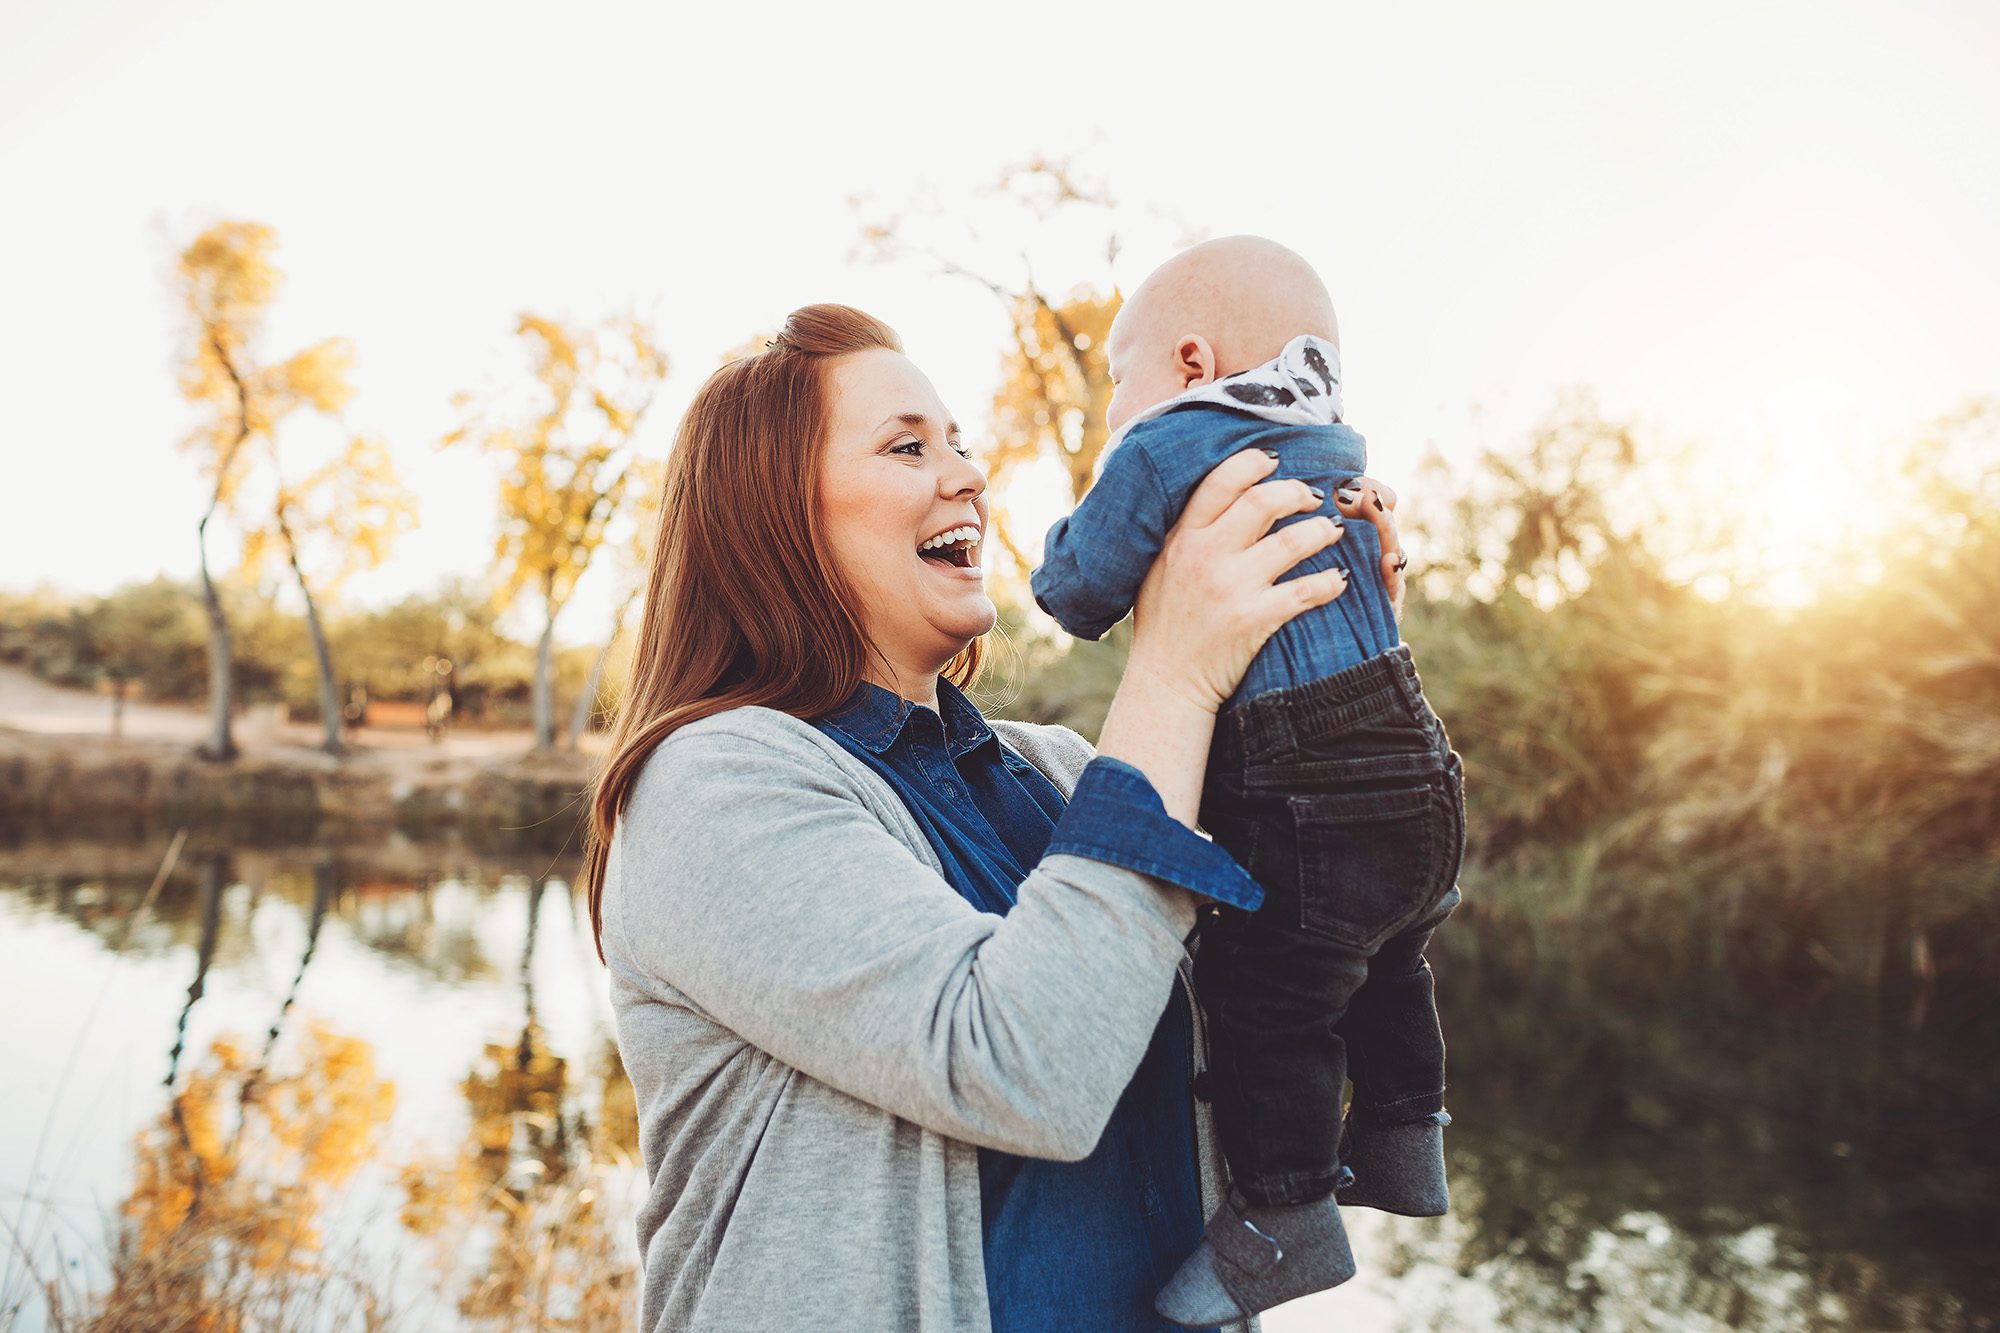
{"type": "Point", "coordinates": [1241, 298]}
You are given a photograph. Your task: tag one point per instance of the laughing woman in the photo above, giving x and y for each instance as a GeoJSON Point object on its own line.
{"type": "Point", "coordinates": [904, 991]}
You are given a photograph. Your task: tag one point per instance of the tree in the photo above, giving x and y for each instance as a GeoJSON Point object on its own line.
{"type": "Point", "coordinates": [648, 486]}
{"type": "Point", "coordinates": [1054, 390]}
{"type": "Point", "coordinates": [563, 443]}
{"type": "Point", "coordinates": [354, 506]}
{"type": "Point", "coordinates": [1055, 383]}
{"type": "Point", "coordinates": [227, 281]}
{"type": "Point", "coordinates": [350, 510]}
{"type": "Point", "coordinates": [143, 630]}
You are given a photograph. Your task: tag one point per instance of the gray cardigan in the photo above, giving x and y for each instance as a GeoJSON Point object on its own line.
{"type": "Point", "coordinates": [821, 1031]}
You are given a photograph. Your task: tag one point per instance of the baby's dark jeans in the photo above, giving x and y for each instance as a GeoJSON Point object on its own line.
{"type": "Point", "coordinates": [1344, 799]}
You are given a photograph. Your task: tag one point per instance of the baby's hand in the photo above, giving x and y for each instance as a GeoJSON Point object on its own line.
{"type": "Point", "coordinates": [1363, 497]}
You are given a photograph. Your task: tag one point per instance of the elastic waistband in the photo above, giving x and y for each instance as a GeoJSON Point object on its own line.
{"type": "Point", "coordinates": [1265, 723]}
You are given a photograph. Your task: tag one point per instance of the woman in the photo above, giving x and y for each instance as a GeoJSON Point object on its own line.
{"type": "Point", "coordinates": [904, 993]}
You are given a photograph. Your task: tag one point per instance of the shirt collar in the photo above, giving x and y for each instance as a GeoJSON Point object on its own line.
{"type": "Point", "coordinates": [876, 716]}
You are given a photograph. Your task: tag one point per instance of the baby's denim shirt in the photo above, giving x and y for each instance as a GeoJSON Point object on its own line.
{"type": "Point", "coordinates": [1094, 560]}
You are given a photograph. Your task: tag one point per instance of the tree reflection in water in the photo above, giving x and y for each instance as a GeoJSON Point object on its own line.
{"type": "Point", "coordinates": [222, 1226]}
{"type": "Point", "coordinates": [525, 1191]}
{"type": "Point", "coordinates": [1639, 1142]}
{"type": "Point", "coordinates": [236, 1180]}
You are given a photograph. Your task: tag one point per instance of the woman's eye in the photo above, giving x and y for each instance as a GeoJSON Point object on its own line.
{"type": "Point", "coordinates": [918, 445]}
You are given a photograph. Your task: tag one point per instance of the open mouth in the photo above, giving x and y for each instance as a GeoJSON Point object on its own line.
{"type": "Point", "coordinates": [956, 548]}
{"type": "Point", "coordinates": [960, 556]}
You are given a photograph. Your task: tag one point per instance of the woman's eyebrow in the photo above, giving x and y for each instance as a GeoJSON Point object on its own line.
{"type": "Point", "coordinates": [917, 419]}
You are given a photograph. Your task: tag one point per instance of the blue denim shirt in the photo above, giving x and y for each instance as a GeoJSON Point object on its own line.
{"type": "Point", "coordinates": [1094, 560]}
{"type": "Point", "coordinates": [1067, 1244]}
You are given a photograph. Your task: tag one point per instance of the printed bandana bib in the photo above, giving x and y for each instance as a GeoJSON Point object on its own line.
{"type": "Point", "coordinates": [1298, 387]}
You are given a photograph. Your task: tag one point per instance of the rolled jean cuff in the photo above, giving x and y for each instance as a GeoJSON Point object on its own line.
{"type": "Point", "coordinates": [1291, 1186]}
{"type": "Point", "coordinates": [1401, 1111]}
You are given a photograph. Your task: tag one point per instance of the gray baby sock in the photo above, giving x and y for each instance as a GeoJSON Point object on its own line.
{"type": "Point", "coordinates": [1397, 1168]}
{"type": "Point", "coordinates": [1253, 1256]}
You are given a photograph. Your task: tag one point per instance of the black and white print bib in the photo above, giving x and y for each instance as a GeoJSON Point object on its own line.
{"type": "Point", "coordinates": [1300, 386]}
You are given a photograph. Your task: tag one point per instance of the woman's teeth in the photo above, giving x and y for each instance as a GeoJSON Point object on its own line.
{"type": "Point", "coordinates": [952, 548]}
{"type": "Point", "coordinates": [951, 538]}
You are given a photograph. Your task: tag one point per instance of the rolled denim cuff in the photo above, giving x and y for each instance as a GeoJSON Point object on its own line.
{"type": "Point", "coordinates": [1115, 815]}
{"type": "Point", "coordinates": [1061, 601]}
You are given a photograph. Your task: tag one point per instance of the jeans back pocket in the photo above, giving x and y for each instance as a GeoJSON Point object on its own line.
{"type": "Point", "coordinates": [1371, 861]}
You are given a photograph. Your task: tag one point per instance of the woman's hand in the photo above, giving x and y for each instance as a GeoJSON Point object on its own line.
{"type": "Point", "coordinates": [1365, 498]}
{"type": "Point", "coordinates": [1210, 600]}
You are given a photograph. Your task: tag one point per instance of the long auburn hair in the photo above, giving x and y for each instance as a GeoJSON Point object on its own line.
{"type": "Point", "coordinates": [739, 610]}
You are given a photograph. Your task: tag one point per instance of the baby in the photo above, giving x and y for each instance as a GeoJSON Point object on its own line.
{"type": "Point", "coordinates": [1330, 780]}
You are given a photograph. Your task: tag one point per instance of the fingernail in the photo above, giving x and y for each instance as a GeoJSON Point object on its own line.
{"type": "Point", "coordinates": [1318, 494]}
{"type": "Point", "coordinates": [1402, 563]}
{"type": "Point", "coordinates": [1351, 483]}
{"type": "Point", "coordinates": [1269, 453]}
{"type": "Point", "coordinates": [1348, 497]}
{"type": "Point", "coordinates": [1378, 504]}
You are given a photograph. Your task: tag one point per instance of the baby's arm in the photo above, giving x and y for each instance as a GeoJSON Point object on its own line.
{"type": "Point", "coordinates": [1094, 560]}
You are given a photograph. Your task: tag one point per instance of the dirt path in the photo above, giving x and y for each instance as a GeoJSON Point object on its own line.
{"type": "Point", "coordinates": [30, 704]}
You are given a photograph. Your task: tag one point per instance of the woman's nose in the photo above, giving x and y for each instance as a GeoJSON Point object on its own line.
{"type": "Point", "coordinates": [967, 478]}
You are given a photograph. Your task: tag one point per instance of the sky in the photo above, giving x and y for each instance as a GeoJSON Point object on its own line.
{"type": "Point", "coordinates": [1770, 225]}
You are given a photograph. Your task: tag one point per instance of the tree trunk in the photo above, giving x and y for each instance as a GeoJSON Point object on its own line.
{"type": "Point", "coordinates": [545, 711]}
{"type": "Point", "coordinates": [329, 695]}
{"type": "Point", "coordinates": [586, 704]}
{"type": "Point", "coordinates": [221, 743]}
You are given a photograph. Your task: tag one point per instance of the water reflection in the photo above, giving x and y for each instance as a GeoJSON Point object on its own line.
{"type": "Point", "coordinates": [379, 1087]}
{"type": "Point", "coordinates": [230, 1183]}
{"type": "Point", "coordinates": [1644, 1146]}
{"type": "Point", "coordinates": [509, 1170]}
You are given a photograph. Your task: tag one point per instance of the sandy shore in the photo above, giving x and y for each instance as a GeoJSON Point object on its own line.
{"type": "Point", "coordinates": [61, 767]}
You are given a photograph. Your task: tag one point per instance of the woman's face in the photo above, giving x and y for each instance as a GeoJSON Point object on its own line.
{"type": "Point", "coordinates": [893, 478]}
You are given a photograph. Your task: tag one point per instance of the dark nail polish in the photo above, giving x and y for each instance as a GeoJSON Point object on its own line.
{"type": "Point", "coordinates": [1402, 563]}
{"type": "Point", "coordinates": [1318, 494]}
{"type": "Point", "coordinates": [1378, 504]}
{"type": "Point", "coordinates": [1269, 453]}
{"type": "Point", "coordinates": [1350, 484]}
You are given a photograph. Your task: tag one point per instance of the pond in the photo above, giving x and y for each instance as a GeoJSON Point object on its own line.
{"type": "Point", "coordinates": [396, 1095]}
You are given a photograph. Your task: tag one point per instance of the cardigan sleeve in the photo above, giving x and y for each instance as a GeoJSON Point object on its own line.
{"type": "Point", "coordinates": [751, 880]}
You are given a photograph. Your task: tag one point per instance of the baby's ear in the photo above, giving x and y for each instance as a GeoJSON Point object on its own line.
{"type": "Point", "coordinates": [1194, 360]}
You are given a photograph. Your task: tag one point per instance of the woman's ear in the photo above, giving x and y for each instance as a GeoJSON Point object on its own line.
{"type": "Point", "coordinates": [1194, 360]}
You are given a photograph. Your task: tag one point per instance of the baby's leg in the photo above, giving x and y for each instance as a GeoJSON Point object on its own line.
{"type": "Point", "coordinates": [1393, 1140]}
{"type": "Point", "coordinates": [1395, 1044]}
{"type": "Point", "coordinates": [1273, 995]}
